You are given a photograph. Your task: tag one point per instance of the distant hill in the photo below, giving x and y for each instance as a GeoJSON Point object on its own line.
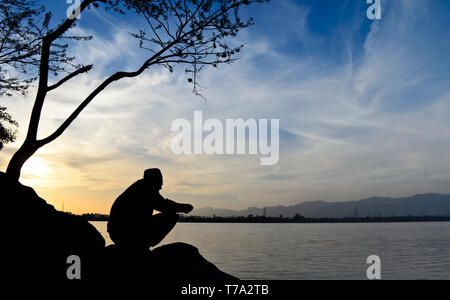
{"type": "Point", "coordinates": [417, 205]}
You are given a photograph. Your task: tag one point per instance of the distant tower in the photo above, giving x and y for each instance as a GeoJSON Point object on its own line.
{"type": "Point", "coordinates": [264, 212]}
{"type": "Point", "coordinates": [63, 206]}
{"type": "Point", "coordinates": [356, 212]}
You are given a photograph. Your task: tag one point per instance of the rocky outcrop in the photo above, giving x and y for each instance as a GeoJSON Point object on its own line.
{"type": "Point", "coordinates": [37, 240]}
{"type": "Point", "coordinates": [169, 263]}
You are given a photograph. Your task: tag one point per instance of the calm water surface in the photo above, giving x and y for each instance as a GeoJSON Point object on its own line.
{"type": "Point", "coordinates": [319, 251]}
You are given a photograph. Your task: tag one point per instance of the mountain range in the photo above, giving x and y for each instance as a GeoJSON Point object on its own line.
{"type": "Point", "coordinates": [417, 205]}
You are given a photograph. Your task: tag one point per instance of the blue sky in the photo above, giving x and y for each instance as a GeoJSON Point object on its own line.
{"type": "Point", "coordinates": [363, 108]}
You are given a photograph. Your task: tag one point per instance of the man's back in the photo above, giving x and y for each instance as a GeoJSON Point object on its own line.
{"type": "Point", "coordinates": [132, 207]}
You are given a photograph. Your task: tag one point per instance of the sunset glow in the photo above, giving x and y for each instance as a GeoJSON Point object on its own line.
{"type": "Point", "coordinates": [36, 166]}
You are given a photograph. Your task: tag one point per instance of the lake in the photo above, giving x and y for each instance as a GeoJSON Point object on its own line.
{"type": "Point", "coordinates": [319, 251]}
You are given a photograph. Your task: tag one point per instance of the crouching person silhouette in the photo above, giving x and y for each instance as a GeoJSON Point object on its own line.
{"type": "Point", "coordinates": [132, 224]}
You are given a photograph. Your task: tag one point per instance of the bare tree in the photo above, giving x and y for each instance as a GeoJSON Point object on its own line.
{"type": "Point", "coordinates": [190, 32]}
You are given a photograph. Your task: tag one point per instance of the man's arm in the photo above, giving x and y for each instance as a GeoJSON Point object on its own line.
{"type": "Point", "coordinates": [169, 206]}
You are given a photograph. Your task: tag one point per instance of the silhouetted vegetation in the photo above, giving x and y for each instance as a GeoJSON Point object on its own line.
{"type": "Point", "coordinates": [6, 134]}
{"type": "Point", "coordinates": [262, 219]}
{"type": "Point", "coordinates": [296, 219]}
{"type": "Point", "coordinates": [23, 25]}
{"type": "Point", "coordinates": [95, 217]}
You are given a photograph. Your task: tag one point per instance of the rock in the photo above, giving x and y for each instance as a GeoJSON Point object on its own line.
{"type": "Point", "coordinates": [188, 262]}
{"type": "Point", "coordinates": [38, 239]}
{"type": "Point", "coordinates": [174, 262]}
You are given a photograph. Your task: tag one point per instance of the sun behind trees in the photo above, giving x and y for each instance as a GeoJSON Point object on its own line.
{"type": "Point", "coordinates": [194, 33]}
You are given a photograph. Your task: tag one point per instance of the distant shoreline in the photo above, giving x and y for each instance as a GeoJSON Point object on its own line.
{"type": "Point", "coordinates": [297, 219]}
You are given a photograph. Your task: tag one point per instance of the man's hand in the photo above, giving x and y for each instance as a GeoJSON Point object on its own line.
{"type": "Point", "coordinates": [186, 208]}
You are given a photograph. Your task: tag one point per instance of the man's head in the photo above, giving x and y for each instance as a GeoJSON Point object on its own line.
{"type": "Point", "coordinates": [154, 178]}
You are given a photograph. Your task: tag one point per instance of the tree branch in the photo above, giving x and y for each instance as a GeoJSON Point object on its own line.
{"type": "Point", "coordinates": [84, 69]}
{"type": "Point", "coordinates": [101, 87]}
{"type": "Point", "coordinates": [69, 21]}
{"type": "Point", "coordinates": [82, 106]}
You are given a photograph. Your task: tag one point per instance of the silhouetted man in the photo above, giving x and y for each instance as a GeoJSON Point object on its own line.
{"type": "Point", "coordinates": [132, 224]}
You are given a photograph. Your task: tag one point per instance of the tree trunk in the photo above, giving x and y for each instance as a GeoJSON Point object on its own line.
{"type": "Point", "coordinates": [19, 158]}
